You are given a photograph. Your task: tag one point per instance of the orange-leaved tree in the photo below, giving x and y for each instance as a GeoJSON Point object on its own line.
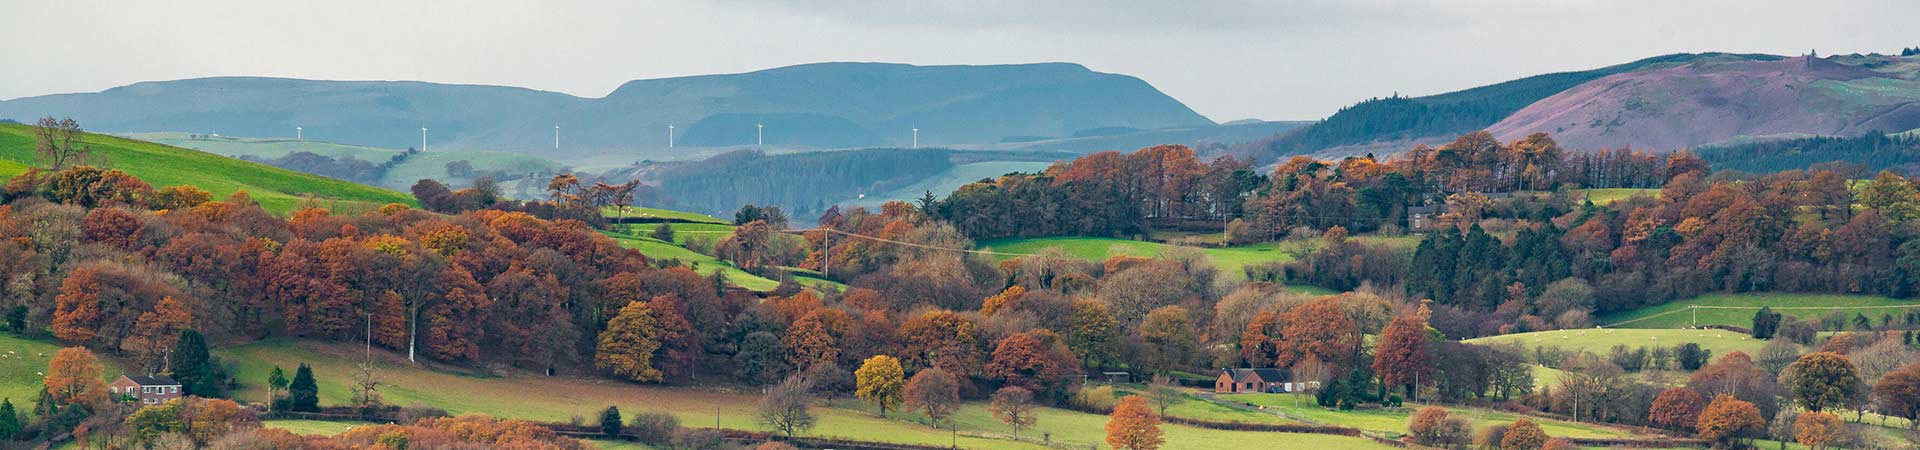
{"type": "Point", "coordinates": [1677, 408]}
{"type": "Point", "coordinates": [1133, 425]}
{"type": "Point", "coordinates": [1404, 358]}
{"type": "Point", "coordinates": [1523, 434]}
{"type": "Point", "coordinates": [1728, 419]}
{"type": "Point", "coordinates": [74, 378]}
{"type": "Point", "coordinates": [1816, 430]}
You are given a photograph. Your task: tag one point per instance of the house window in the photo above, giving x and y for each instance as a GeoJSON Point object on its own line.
{"type": "Point", "coordinates": [173, 389]}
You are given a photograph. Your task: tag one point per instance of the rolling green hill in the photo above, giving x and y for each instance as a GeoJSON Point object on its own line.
{"type": "Point", "coordinates": [431, 164]}
{"type": "Point", "coordinates": [1715, 309]}
{"type": "Point", "coordinates": [277, 190]}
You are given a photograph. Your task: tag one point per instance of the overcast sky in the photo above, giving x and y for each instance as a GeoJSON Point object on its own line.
{"type": "Point", "coordinates": [1228, 59]}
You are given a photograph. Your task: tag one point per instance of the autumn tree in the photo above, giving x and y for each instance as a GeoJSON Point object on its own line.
{"type": "Point", "coordinates": [155, 330]}
{"type": "Point", "coordinates": [1523, 434]}
{"type": "Point", "coordinates": [1133, 425]}
{"type": "Point", "coordinates": [1094, 334]}
{"type": "Point", "coordinates": [1257, 341]}
{"type": "Point", "coordinates": [1404, 357]}
{"type": "Point", "coordinates": [934, 392]}
{"type": "Point", "coordinates": [815, 337]}
{"type": "Point", "coordinates": [1034, 360]}
{"type": "Point", "coordinates": [74, 378]}
{"type": "Point", "coordinates": [1320, 328]}
{"type": "Point", "coordinates": [1014, 407]}
{"type": "Point", "coordinates": [1899, 393]}
{"type": "Point", "coordinates": [626, 347]}
{"type": "Point", "coordinates": [1171, 338]}
{"type": "Point", "coordinates": [1816, 430]}
{"type": "Point", "coordinates": [787, 407]}
{"type": "Point", "coordinates": [1426, 426]}
{"type": "Point", "coordinates": [1676, 408]}
{"type": "Point", "coordinates": [940, 339]}
{"type": "Point", "coordinates": [1822, 380]}
{"type": "Point", "coordinates": [880, 382]}
{"type": "Point", "coordinates": [1728, 419]}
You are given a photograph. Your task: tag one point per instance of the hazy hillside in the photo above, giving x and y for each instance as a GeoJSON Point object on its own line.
{"type": "Point", "coordinates": [817, 105]}
{"type": "Point", "coordinates": [1397, 121]}
{"type": "Point", "coordinates": [1715, 101]}
{"type": "Point", "coordinates": [276, 189]}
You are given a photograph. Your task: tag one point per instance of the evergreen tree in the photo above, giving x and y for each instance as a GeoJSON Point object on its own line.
{"type": "Point", "coordinates": [192, 366]}
{"type": "Point", "coordinates": [303, 394]}
{"type": "Point", "coordinates": [610, 422]}
{"type": "Point", "coordinates": [9, 420]}
{"type": "Point", "coordinates": [1765, 322]}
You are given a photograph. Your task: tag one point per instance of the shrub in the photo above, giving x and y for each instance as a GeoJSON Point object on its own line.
{"type": "Point", "coordinates": [1095, 398]}
{"type": "Point", "coordinates": [654, 428]}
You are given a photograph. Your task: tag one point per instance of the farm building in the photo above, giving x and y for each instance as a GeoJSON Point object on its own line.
{"type": "Point", "coordinates": [1255, 380]}
{"type": "Point", "coordinates": [148, 390]}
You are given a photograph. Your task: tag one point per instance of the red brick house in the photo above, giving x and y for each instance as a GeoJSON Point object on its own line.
{"type": "Point", "coordinates": [1234, 381]}
{"type": "Point", "coordinates": [147, 390]}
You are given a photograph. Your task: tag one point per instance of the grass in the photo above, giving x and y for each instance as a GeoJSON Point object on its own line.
{"type": "Point", "coordinates": [311, 427]}
{"type": "Point", "coordinates": [433, 165]}
{"type": "Point", "coordinates": [1394, 421]}
{"type": "Point", "coordinates": [424, 165]}
{"type": "Point", "coordinates": [701, 263]}
{"type": "Point", "coordinates": [265, 147]}
{"type": "Point", "coordinates": [1606, 196]}
{"type": "Point", "coordinates": [1600, 341]}
{"type": "Point", "coordinates": [277, 190]}
{"type": "Point", "coordinates": [665, 214]}
{"type": "Point", "coordinates": [530, 396]}
{"type": "Point", "coordinates": [1228, 260]}
{"type": "Point", "coordinates": [1677, 314]}
{"type": "Point", "coordinates": [23, 363]}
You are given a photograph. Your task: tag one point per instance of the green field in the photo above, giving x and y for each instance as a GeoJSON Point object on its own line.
{"type": "Point", "coordinates": [703, 264]}
{"type": "Point", "coordinates": [657, 213]}
{"type": "Point", "coordinates": [1228, 260]}
{"type": "Point", "coordinates": [534, 397]}
{"type": "Point", "coordinates": [277, 190]}
{"type": "Point", "coordinates": [1601, 341]}
{"type": "Point", "coordinates": [1679, 314]}
{"type": "Point", "coordinates": [1394, 421]}
{"type": "Point", "coordinates": [311, 427]}
{"type": "Point", "coordinates": [434, 165]}
{"type": "Point", "coordinates": [22, 364]}
{"type": "Point", "coordinates": [1607, 196]}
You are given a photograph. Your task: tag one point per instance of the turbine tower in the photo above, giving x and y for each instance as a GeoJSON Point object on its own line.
{"type": "Point", "coordinates": [423, 139]}
{"type": "Point", "coordinates": [556, 136]}
{"type": "Point", "coordinates": [298, 135]}
{"type": "Point", "coordinates": [916, 137]}
{"type": "Point", "coordinates": [759, 134]}
{"type": "Point", "coordinates": [669, 135]}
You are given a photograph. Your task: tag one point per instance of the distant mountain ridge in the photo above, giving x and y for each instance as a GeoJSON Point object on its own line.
{"type": "Point", "coordinates": [816, 105]}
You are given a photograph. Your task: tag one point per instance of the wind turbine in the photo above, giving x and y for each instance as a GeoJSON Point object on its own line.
{"type": "Point", "coordinates": [916, 137]}
{"type": "Point", "coordinates": [669, 135]}
{"type": "Point", "coordinates": [298, 135]}
{"type": "Point", "coordinates": [760, 134]}
{"type": "Point", "coordinates": [423, 139]}
{"type": "Point", "coordinates": [556, 136]}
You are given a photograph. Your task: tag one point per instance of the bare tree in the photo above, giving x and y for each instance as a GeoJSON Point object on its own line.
{"type": "Point", "coordinates": [1162, 393]}
{"type": "Point", "coordinates": [1014, 406]}
{"type": "Point", "coordinates": [786, 409]}
{"type": "Point", "coordinates": [59, 143]}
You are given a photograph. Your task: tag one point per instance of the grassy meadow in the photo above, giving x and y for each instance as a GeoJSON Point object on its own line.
{"type": "Point", "coordinates": [1677, 314]}
{"type": "Point", "coordinates": [1394, 421]}
{"type": "Point", "coordinates": [561, 398]}
{"type": "Point", "coordinates": [277, 190]}
{"type": "Point", "coordinates": [1600, 341]}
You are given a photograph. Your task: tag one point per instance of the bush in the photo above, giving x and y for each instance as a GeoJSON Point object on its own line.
{"type": "Point", "coordinates": [1096, 398]}
{"type": "Point", "coordinates": [699, 440]}
{"type": "Point", "coordinates": [654, 428]}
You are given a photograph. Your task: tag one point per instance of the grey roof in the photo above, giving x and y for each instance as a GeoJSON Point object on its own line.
{"type": "Point", "coordinates": [153, 380]}
{"type": "Point", "coordinates": [1267, 374]}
